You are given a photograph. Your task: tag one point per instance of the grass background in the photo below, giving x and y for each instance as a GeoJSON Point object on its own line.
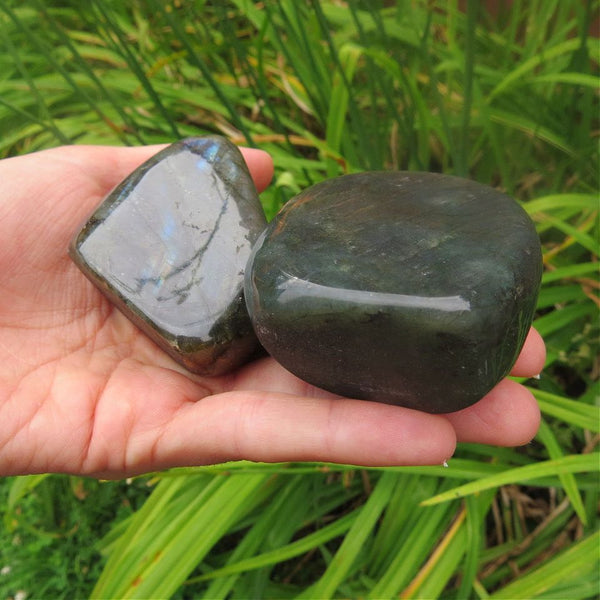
{"type": "Point", "coordinates": [508, 98]}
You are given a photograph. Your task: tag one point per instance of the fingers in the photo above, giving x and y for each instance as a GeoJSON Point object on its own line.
{"type": "Point", "coordinates": [279, 418]}
{"type": "Point", "coordinates": [532, 358]}
{"type": "Point", "coordinates": [270, 415]}
{"type": "Point", "coordinates": [507, 416]}
{"type": "Point", "coordinates": [264, 413]}
{"type": "Point", "coordinates": [276, 427]}
{"type": "Point", "coordinates": [265, 425]}
{"type": "Point", "coordinates": [260, 165]}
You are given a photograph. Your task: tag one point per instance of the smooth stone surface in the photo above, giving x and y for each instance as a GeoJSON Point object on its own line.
{"type": "Point", "coordinates": [414, 289]}
{"type": "Point", "coordinates": [169, 246]}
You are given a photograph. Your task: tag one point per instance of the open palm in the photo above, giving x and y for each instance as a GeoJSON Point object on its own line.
{"type": "Point", "coordinates": [82, 391]}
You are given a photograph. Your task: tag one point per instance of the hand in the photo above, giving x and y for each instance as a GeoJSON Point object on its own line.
{"type": "Point", "coordinates": [82, 391]}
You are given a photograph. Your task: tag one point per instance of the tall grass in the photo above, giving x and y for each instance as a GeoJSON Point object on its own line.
{"type": "Point", "coordinates": [331, 87]}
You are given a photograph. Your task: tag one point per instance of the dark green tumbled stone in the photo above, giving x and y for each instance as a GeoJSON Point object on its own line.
{"type": "Point", "coordinates": [169, 246]}
{"type": "Point", "coordinates": [414, 289]}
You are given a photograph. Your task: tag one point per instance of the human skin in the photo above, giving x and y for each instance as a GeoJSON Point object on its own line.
{"type": "Point", "coordinates": [83, 391]}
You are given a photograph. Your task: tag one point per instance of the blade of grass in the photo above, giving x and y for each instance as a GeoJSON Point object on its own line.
{"type": "Point", "coordinates": [476, 508]}
{"type": "Point", "coordinates": [275, 525]}
{"type": "Point", "coordinates": [533, 128]}
{"type": "Point", "coordinates": [423, 533]}
{"type": "Point", "coordinates": [556, 320]}
{"type": "Point", "coordinates": [336, 117]}
{"type": "Point", "coordinates": [345, 59]}
{"type": "Point", "coordinates": [458, 468]}
{"type": "Point", "coordinates": [354, 540]}
{"type": "Point", "coordinates": [299, 23]}
{"type": "Point", "coordinates": [469, 55]}
{"type": "Point", "coordinates": [567, 480]}
{"type": "Point", "coordinates": [580, 79]}
{"type": "Point", "coordinates": [133, 545]}
{"type": "Point", "coordinates": [134, 64]}
{"type": "Point", "coordinates": [396, 520]}
{"type": "Point", "coordinates": [160, 573]}
{"type": "Point", "coordinates": [305, 544]}
{"type": "Point", "coordinates": [383, 85]}
{"type": "Point", "coordinates": [435, 573]}
{"type": "Point", "coordinates": [570, 271]}
{"type": "Point", "coordinates": [568, 464]}
{"type": "Point", "coordinates": [579, 234]}
{"type": "Point", "coordinates": [554, 201]}
{"type": "Point", "coordinates": [560, 294]}
{"type": "Point", "coordinates": [570, 411]}
{"type": "Point", "coordinates": [65, 39]}
{"type": "Point", "coordinates": [183, 37]}
{"type": "Point", "coordinates": [517, 75]}
{"type": "Point", "coordinates": [579, 559]}
{"type": "Point", "coordinates": [19, 488]}
{"type": "Point", "coordinates": [47, 120]}
{"type": "Point", "coordinates": [302, 509]}
{"type": "Point", "coordinates": [448, 138]}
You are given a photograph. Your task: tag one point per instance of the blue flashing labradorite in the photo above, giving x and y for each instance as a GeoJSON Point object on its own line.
{"type": "Point", "coordinates": [414, 289]}
{"type": "Point", "coordinates": [169, 247]}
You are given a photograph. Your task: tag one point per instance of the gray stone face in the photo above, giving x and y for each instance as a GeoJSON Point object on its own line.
{"type": "Point", "coordinates": [414, 289]}
{"type": "Point", "coordinates": [169, 247]}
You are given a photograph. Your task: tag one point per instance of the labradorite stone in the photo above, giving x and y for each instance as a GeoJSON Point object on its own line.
{"type": "Point", "coordinates": [414, 289]}
{"type": "Point", "coordinates": [169, 247]}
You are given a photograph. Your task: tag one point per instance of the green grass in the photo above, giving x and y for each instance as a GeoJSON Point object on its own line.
{"type": "Point", "coordinates": [330, 88]}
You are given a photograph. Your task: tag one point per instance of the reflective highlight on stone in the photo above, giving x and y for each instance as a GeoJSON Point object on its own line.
{"type": "Point", "coordinates": [169, 247]}
{"type": "Point", "coordinates": [415, 289]}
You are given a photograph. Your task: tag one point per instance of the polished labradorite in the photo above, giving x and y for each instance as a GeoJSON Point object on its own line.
{"type": "Point", "coordinates": [169, 247]}
{"type": "Point", "coordinates": [414, 289]}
